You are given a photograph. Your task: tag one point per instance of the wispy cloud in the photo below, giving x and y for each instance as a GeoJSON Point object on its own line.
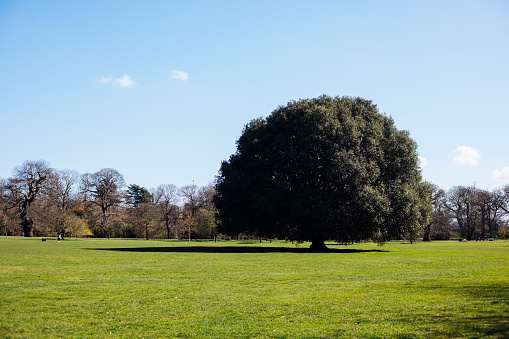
{"type": "Point", "coordinates": [105, 80]}
{"type": "Point", "coordinates": [179, 75]}
{"type": "Point", "coordinates": [502, 175]}
{"type": "Point", "coordinates": [423, 162]}
{"type": "Point", "coordinates": [465, 155]}
{"type": "Point", "coordinates": [124, 81]}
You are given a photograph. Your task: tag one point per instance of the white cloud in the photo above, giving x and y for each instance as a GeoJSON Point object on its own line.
{"type": "Point", "coordinates": [465, 155]}
{"type": "Point", "coordinates": [423, 162]}
{"type": "Point", "coordinates": [105, 80]}
{"type": "Point", "coordinates": [124, 81]}
{"type": "Point", "coordinates": [179, 75]}
{"type": "Point", "coordinates": [502, 175]}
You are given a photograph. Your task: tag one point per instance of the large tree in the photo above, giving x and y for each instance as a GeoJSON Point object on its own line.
{"type": "Point", "coordinates": [462, 203]}
{"type": "Point", "coordinates": [324, 168]}
{"type": "Point", "coordinates": [106, 190]}
{"type": "Point", "coordinates": [25, 186]}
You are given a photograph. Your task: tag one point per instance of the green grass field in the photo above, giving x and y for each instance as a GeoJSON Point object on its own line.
{"type": "Point", "coordinates": [169, 289]}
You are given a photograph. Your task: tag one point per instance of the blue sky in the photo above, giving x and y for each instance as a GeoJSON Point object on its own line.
{"type": "Point", "coordinates": [161, 90]}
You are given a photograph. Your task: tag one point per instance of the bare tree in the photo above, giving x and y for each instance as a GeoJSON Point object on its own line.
{"type": "Point", "coordinates": [491, 206]}
{"type": "Point", "coordinates": [505, 206]}
{"type": "Point", "coordinates": [199, 209]}
{"type": "Point", "coordinates": [105, 189]}
{"type": "Point", "coordinates": [462, 202]}
{"type": "Point", "coordinates": [60, 192]}
{"type": "Point", "coordinates": [206, 197]}
{"type": "Point", "coordinates": [191, 195]}
{"type": "Point", "coordinates": [440, 219]}
{"type": "Point", "coordinates": [64, 187]}
{"type": "Point", "coordinates": [25, 186]}
{"type": "Point", "coordinates": [166, 197]}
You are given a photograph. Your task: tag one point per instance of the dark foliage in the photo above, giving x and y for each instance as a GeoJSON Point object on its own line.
{"type": "Point", "coordinates": [324, 168]}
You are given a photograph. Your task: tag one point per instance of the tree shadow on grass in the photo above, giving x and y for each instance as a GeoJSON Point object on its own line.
{"type": "Point", "coordinates": [483, 325]}
{"type": "Point", "coordinates": [227, 249]}
{"type": "Point", "coordinates": [487, 317]}
{"type": "Point", "coordinates": [489, 321]}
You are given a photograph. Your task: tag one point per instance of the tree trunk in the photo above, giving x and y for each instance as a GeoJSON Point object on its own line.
{"type": "Point", "coordinates": [26, 223]}
{"type": "Point", "coordinates": [319, 246]}
{"type": "Point", "coordinates": [167, 222]}
{"type": "Point", "coordinates": [427, 233]}
{"type": "Point", "coordinates": [103, 225]}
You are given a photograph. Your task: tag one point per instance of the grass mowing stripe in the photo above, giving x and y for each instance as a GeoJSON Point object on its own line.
{"type": "Point", "coordinates": [128, 288]}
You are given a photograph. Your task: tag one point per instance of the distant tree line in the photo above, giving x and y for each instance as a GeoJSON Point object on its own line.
{"type": "Point", "coordinates": [467, 212]}
{"type": "Point", "coordinates": [41, 201]}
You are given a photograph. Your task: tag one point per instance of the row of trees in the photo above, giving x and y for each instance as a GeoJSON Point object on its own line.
{"type": "Point", "coordinates": [313, 170]}
{"type": "Point", "coordinates": [41, 201]}
{"type": "Point", "coordinates": [469, 213]}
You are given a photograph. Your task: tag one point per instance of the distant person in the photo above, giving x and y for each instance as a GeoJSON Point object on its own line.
{"type": "Point", "coordinates": [59, 237]}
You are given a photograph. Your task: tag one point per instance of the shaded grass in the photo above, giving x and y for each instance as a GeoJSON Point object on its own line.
{"type": "Point", "coordinates": [128, 289]}
{"type": "Point", "coordinates": [233, 249]}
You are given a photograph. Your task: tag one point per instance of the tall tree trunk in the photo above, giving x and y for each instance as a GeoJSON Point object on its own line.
{"type": "Point", "coordinates": [26, 222]}
{"type": "Point", "coordinates": [27, 225]}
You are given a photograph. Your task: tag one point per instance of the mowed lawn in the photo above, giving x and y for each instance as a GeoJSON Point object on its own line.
{"type": "Point", "coordinates": [169, 289]}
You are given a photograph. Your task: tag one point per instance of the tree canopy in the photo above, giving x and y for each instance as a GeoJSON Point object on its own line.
{"type": "Point", "coordinates": [138, 195]}
{"type": "Point", "coordinates": [324, 168]}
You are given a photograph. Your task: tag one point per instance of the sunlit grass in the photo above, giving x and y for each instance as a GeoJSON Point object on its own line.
{"type": "Point", "coordinates": [155, 289]}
